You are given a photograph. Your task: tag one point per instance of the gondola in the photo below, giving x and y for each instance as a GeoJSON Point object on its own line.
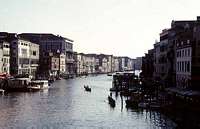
{"type": "Point", "coordinates": [87, 88]}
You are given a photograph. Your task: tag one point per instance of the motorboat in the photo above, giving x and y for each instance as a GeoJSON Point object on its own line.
{"type": "Point", "coordinates": [109, 74]}
{"type": "Point", "coordinates": [36, 85]}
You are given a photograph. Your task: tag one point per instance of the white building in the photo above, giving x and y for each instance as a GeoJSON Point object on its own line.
{"type": "Point", "coordinates": [24, 57]}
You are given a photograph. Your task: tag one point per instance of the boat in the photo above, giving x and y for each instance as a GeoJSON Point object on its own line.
{"type": "Point", "coordinates": [109, 74]}
{"type": "Point", "coordinates": [154, 105]}
{"type": "Point", "coordinates": [16, 84]}
{"type": "Point", "coordinates": [2, 91]}
{"type": "Point", "coordinates": [113, 89]}
{"type": "Point", "coordinates": [131, 103]}
{"type": "Point", "coordinates": [87, 88]}
{"type": "Point", "coordinates": [111, 101]}
{"type": "Point", "coordinates": [38, 85]}
{"type": "Point", "coordinates": [134, 100]}
{"type": "Point", "coordinates": [125, 93]}
{"type": "Point", "coordinates": [143, 105]}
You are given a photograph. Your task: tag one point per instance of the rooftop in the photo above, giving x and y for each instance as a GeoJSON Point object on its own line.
{"type": "Point", "coordinates": [44, 36]}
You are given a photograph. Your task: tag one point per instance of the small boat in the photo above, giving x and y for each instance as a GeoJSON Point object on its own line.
{"type": "Point", "coordinates": [109, 74]}
{"type": "Point", "coordinates": [87, 88]}
{"type": "Point", "coordinates": [111, 101]}
{"type": "Point", "coordinates": [38, 85]}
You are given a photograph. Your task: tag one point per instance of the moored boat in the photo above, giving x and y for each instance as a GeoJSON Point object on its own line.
{"type": "Point", "coordinates": [111, 101]}
{"type": "Point", "coordinates": [131, 103]}
{"type": "Point", "coordinates": [36, 85]}
{"type": "Point", "coordinates": [16, 84]}
{"type": "Point", "coordinates": [134, 100]}
{"type": "Point", "coordinates": [109, 74]}
{"type": "Point", "coordinates": [143, 105]}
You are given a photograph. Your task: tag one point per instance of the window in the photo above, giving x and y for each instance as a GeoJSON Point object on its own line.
{"type": "Point", "coordinates": [186, 62]}
{"type": "Point", "coordinates": [182, 66]}
{"type": "Point", "coordinates": [181, 42]}
{"type": "Point", "coordinates": [189, 52]}
{"type": "Point", "coordinates": [185, 52]}
{"type": "Point", "coordinates": [188, 66]}
{"type": "Point", "coordinates": [182, 53]}
{"type": "Point", "coordinates": [188, 41]}
{"type": "Point", "coordinates": [34, 53]}
{"type": "Point", "coordinates": [199, 42]}
{"type": "Point", "coordinates": [177, 66]}
{"type": "Point", "coordinates": [24, 51]}
{"type": "Point", "coordinates": [23, 61]}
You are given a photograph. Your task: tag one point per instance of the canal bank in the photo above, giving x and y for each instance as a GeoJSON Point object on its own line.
{"type": "Point", "coordinates": [67, 105]}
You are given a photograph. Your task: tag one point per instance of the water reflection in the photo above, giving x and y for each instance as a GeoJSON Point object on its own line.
{"type": "Point", "coordinates": [67, 105]}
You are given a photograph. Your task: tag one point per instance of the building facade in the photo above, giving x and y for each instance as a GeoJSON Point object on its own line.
{"type": "Point", "coordinates": [160, 58]}
{"type": "Point", "coordinates": [137, 63]}
{"type": "Point", "coordinates": [5, 46]}
{"type": "Point", "coordinates": [24, 57]}
{"type": "Point", "coordinates": [125, 64]}
{"type": "Point", "coordinates": [187, 54]}
{"type": "Point", "coordinates": [52, 64]}
{"type": "Point", "coordinates": [55, 44]}
{"type": "Point", "coordinates": [148, 65]}
{"type": "Point", "coordinates": [116, 64]}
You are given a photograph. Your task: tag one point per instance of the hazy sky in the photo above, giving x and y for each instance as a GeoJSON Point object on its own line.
{"type": "Point", "coordinates": [119, 27]}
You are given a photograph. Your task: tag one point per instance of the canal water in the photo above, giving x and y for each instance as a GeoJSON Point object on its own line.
{"type": "Point", "coordinates": [67, 105]}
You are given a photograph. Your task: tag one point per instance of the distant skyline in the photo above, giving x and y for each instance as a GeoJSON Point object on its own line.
{"type": "Point", "coordinates": [118, 27]}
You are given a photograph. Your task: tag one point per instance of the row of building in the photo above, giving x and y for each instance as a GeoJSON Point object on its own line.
{"type": "Point", "coordinates": [101, 63]}
{"type": "Point", "coordinates": [175, 59]}
{"type": "Point", "coordinates": [44, 55]}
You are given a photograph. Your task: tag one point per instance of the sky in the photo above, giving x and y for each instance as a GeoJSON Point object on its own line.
{"type": "Point", "coordinates": [118, 27]}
